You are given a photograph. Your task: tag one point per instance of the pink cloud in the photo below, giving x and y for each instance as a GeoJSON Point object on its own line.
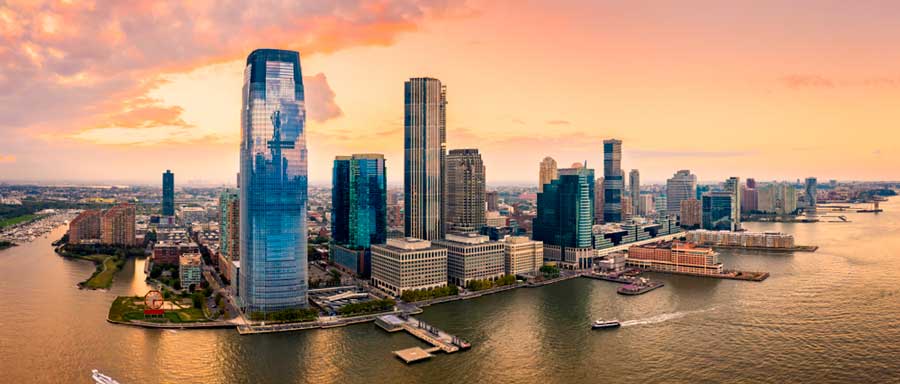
{"type": "Point", "coordinates": [7, 159]}
{"type": "Point", "coordinates": [67, 66]}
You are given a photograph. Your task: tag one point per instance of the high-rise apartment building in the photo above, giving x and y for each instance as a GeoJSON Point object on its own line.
{"type": "Point", "coordinates": [682, 186]}
{"type": "Point", "coordinates": [613, 181]}
{"type": "Point", "coordinates": [425, 143]}
{"type": "Point", "coordinates": [471, 257]}
{"type": "Point", "coordinates": [811, 190]}
{"type": "Point", "coordinates": [599, 190]}
{"type": "Point", "coordinates": [85, 227]}
{"type": "Point", "coordinates": [464, 182]}
{"type": "Point", "coordinates": [777, 198]}
{"type": "Point", "coordinates": [549, 172]}
{"type": "Point", "coordinates": [406, 264]}
{"type": "Point", "coordinates": [749, 199]}
{"type": "Point", "coordinates": [634, 186]}
{"type": "Point", "coordinates": [117, 225]}
{"type": "Point", "coordinates": [168, 197]}
{"type": "Point", "coordinates": [273, 183]}
{"type": "Point", "coordinates": [492, 200]}
{"type": "Point", "coordinates": [733, 186]}
{"type": "Point", "coordinates": [691, 213]}
{"type": "Point", "coordinates": [229, 224]}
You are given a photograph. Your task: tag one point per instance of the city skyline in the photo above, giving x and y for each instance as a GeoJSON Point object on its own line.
{"type": "Point", "coordinates": [152, 118]}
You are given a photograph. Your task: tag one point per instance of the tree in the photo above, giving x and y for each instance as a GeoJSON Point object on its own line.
{"type": "Point", "coordinates": [197, 298]}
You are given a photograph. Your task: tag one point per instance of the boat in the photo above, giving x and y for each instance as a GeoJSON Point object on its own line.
{"type": "Point", "coordinates": [100, 378]}
{"type": "Point", "coordinates": [603, 324]}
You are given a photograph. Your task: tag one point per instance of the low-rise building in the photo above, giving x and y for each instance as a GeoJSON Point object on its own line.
{"type": "Point", "coordinates": [522, 256]}
{"type": "Point", "coordinates": [673, 256]}
{"type": "Point", "coordinates": [408, 263]}
{"type": "Point", "coordinates": [354, 260]}
{"type": "Point", "coordinates": [742, 239]}
{"type": "Point", "coordinates": [190, 269]}
{"type": "Point", "coordinates": [169, 251]}
{"type": "Point", "coordinates": [472, 257]}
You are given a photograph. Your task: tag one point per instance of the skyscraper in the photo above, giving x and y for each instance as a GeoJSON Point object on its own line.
{"type": "Point", "coordinates": [613, 181]}
{"type": "Point", "coordinates": [425, 132]}
{"type": "Point", "coordinates": [599, 190]}
{"type": "Point", "coordinates": [811, 191]}
{"type": "Point", "coordinates": [682, 186]}
{"type": "Point", "coordinates": [273, 183]}
{"type": "Point", "coordinates": [464, 177]}
{"type": "Point", "coordinates": [359, 210]}
{"type": "Point", "coordinates": [493, 203]}
{"type": "Point", "coordinates": [565, 216]}
{"type": "Point", "coordinates": [117, 225]}
{"type": "Point", "coordinates": [634, 183]}
{"type": "Point", "coordinates": [733, 186]}
{"type": "Point", "coordinates": [549, 172]}
{"type": "Point", "coordinates": [718, 208]}
{"type": "Point", "coordinates": [229, 224]}
{"type": "Point", "coordinates": [359, 200]}
{"type": "Point", "coordinates": [168, 199]}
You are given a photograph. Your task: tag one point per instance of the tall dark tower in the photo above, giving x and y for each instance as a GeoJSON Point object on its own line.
{"type": "Point", "coordinates": [168, 199]}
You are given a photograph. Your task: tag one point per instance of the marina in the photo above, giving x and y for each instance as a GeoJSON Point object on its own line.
{"type": "Point", "coordinates": [440, 340]}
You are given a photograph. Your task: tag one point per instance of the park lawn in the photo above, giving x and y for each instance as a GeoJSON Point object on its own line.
{"type": "Point", "coordinates": [124, 309]}
{"type": "Point", "coordinates": [16, 220]}
{"type": "Point", "coordinates": [102, 279]}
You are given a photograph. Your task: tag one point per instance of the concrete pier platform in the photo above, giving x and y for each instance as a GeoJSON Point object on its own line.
{"type": "Point", "coordinates": [412, 355]}
{"type": "Point", "coordinates": [440, 340]}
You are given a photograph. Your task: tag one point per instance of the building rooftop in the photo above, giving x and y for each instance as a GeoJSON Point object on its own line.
{"type": "Point", "coordinates": [467, 238]}
{"type": "Point", "coordinates": [189, 259]}
{"type": "Point", "coordinates": [408, 243]}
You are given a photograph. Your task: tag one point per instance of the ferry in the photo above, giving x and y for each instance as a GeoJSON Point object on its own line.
{"type": "Point", "coordinates": [100, 378]}
{"type": "Point", "coordinates": [603, 324]}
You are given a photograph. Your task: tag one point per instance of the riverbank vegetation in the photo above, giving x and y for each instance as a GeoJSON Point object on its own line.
{"type": "Point", "coordinates": [108, 259]}
{"type": "Point", "coordinates": [428, 294]}
{"type": "Point", "coordinates": [286, 315]}
{"type": "Point", "coordinates": [480, 285]}
{"type": "Point", "coordinates": [6, 244]}
{"type": "Point", "coordinates": [102, 277]}
{"type": "Point", "coordinates": [549, 271]}
{"type": "Point", "coordinates": [367, 307]}
{"type": "Point", "coordinates": [10, 221]}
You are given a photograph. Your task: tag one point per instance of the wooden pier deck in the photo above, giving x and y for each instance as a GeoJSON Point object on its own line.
{"type": "Point", "coordinates": [440, 340]}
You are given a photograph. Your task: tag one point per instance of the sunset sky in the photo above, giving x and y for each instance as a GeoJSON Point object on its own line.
{"type": "Point", "coordinates": [120, 91]}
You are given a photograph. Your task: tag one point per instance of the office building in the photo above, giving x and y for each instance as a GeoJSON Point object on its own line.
{"type": "Point", "coordinates": [359, 210]}
{"type": "Point", "coordinates": [565, 216]}
{"type": "Point", "coordinates": [405, 264]}
{"type": "Point", "coordinates": [549, 172]}
{"type": "Point", "coordinates": [691, 213]}
{"type": "Point", "coordinates": [522, 256]}
{"type": "Point", "coordinates": [645, 205]}
{"type": "Point", "coordinates": [661, 206]}
{"type": "Point", "coordinates": [464, 182]}
{"type": "Point", "coordinates": [168, 197]}
{"type": "Point", "coordinates": [117, 225]}
{"type": "Point", "coordinates": [190, 269]}
{"type": "Point", "coordinates": [613, 181]}
{"type": "Point", "coordinates": [495, 219]}
{"type": "Point", "coordinates": [634, 186]}
{"type": "Point", "coordinates": [733, 186]}
{"type": "Point", "coordinates": [85, 228]}
{"type": "Point", "coordinates": [425, 143]}
{"type": "Point", "coordinates": [682, 186]}
{"type": "Point", "coordinates": [751, 183]}
{"type": "Point", "coordinates": [472, 257]}
{"type": "Point", "coordinates": [717, 211]}
{"type": "Point", "coordinates": [273, 183]}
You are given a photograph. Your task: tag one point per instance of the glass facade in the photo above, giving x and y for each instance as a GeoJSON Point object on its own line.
{"type": "Point", "coordinates": [425, 146]}
{"type": "Point", "coordinates": [168, 199]}
{"type": "Point", "coordinates": [717, 208]}
{"type": "Point", "coordinates": [566, 209]}
{"type": "Point", "coordinates": [273, 183]}
{"type": "Point", "coordinates": [613, 181]}
{"type": "Point", "coordinates": [359, 201]}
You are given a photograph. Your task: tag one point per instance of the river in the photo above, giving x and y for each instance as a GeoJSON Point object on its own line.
{"type": "Point", "coordinates": [832, 316]}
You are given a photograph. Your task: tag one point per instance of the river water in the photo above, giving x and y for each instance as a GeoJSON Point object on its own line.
{"type": "Point", "coordinates": [832, 316]}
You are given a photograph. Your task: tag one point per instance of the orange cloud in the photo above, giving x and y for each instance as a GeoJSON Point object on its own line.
{"type": "Point", "coordinates": [7, 159]}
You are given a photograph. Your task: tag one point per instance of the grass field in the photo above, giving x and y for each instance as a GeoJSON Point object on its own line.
{"type": "Point", "coordinates": [15, 220]}
{"type": "Point", "coordinates": [107, 266]}
{"type": "Point", "coordinates": [124, 308]}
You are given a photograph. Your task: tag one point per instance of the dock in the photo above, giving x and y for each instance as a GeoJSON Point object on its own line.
{"type": "Point", "coordinates": [440, 340]}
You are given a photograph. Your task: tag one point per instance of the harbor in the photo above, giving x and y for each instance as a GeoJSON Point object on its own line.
{"type": "Point", "coordinates": [440, 340]}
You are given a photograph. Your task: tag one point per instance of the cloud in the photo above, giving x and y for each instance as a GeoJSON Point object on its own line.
{"type": "Point", "coordinates": [7, 159]}
{"type": "Point", "coordinates": [803, 81]}
{"type": "Point", "coordinates": [71, 66]}
{"type": "Point", "coordinates": [320, 104]}
{"type": "Point", "coordinates": [798, 81]}
{"type": "Point", "coordinates": [558, 122]}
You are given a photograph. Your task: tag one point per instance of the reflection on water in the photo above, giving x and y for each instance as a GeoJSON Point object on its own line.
{"type": "Point", "coordinates": [828, 316]}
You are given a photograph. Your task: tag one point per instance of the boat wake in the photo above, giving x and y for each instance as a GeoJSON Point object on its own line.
{"type": "Point", "coordinates": [663, 317]}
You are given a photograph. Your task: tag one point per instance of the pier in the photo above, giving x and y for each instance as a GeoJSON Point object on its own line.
{"type": "Point", "coordinates": [440, 340]}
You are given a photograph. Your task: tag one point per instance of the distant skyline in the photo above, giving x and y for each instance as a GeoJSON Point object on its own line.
{"type": "Point", "coordinates": [121, 92]}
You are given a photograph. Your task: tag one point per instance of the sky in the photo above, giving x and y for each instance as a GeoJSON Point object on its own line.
{"type": "Point", "coordinates": [118, 92]}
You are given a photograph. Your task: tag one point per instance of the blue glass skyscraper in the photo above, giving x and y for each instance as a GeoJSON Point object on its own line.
{"type": "Point", "coordinates": [168, 199]}
{"type": "Point", "coordinates": [359, 201]}
{"type": "Point", "coordinates": [718, 211]}
{"type": "Point", "coordinates": [273, 183]}
{"type": "Point", "coordinates": [566, 210]}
